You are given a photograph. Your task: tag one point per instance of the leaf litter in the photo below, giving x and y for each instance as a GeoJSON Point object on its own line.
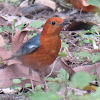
{"type": "Point", "coordinates": [72, 33]}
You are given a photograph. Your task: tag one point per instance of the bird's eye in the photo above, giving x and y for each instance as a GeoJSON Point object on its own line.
{"type": "Point", "coordinates": [24, 24]}
{"type": "Point", "coordinates": [53, 23]}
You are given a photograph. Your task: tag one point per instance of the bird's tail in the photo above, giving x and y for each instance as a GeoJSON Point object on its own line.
{"type": "Point", "coordinates": [10, 58]}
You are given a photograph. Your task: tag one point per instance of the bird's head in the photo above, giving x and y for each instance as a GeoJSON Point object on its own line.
{"type": "Point", "coordinates": [53, 26]}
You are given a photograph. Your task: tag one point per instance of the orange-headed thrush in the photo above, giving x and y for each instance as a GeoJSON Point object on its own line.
{"type": "Point", "coordinates": [41, 50]}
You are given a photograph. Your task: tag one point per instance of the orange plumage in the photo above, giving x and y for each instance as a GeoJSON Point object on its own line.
{"type": "Point", "coordinates": [50, 43]}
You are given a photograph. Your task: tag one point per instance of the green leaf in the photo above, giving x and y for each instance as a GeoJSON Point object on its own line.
{"type": "Point", "coordinates": [1, 30]}
{"type": "Point", "coordinates": [96, 95]}
{"type": "Point", "coordinates": [13, 28]}
{"type": "Point", "coordinates": [19, 27]}
{"type": "Point", "coordinates": [32, 35]}
{"type": "Point", "coordinates": [63, 44]}
{"type": "Point", "coordinates": [81, 79]}
{"type": "Point", "coordinates": [14, 87]}
{"type": "Point", "coordinates": [84, 36]}
{"type": "Point", "coordinates": [94, 2]}
{"type": "Point", "coordinates": [80, 41]}
{"type": "Point", "coordinates": [54, 87]}
{"type": "Point", "coordinates": [62, 36]}
{"type": "Point", "coordinates": [93, 28]}
{"type": "Point", "coordinates": [23, 78]}
{"type": "Point", "coordinates": [49, 79]}
{"type": "Point", "coordinates": [83, 54]}
{"type": "Point", "coordinates": [16, 81]}
{"type": "Point", "coordinates": [27, 85]}
{"type": "Point", "coordinates": [62, 54]}
{"type": "Point", "coordinates": [56, 79]}
{"type": "Point", "coordinates": [36, 24]}
{"type": "Point", "coordinates": [28, 94]}
{"type": "Point", "coordinates": [90, 40]}
{"type": "Point", "coordinates": [94, 58]}
{"type": "Point", "coordinates": [38, 88]}
{"type": "Point", "coordinates": [6, 28]}
{"type": "Point", "coordinates": [44, 96]}
{"type": "Point", "coordinates": [86, 41]}
{"type": "Point", "coordinates": [9, 30]}
{"type": "Point", "coordinates": [63, 75]}
{"type": "Point", "coordinates": [12, 1]}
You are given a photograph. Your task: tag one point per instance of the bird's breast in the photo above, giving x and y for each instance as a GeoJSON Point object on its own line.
{"type": "Point", "coordinates": [44, 55]}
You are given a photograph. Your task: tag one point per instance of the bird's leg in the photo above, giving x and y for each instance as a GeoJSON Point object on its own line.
{"type": "Point", "coordinates": [30, 75]}
{"type": "Point", "coordinates": [42, 76]}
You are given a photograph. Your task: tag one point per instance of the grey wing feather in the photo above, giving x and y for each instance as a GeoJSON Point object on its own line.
{"type": "Point", "coordinates": [30, 46]}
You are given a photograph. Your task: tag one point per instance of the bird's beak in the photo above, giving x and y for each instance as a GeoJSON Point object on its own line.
{"type": "Point", "coordinates": [64, 23]}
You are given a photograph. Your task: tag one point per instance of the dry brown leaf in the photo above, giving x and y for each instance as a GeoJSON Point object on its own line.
{"type": "Point", "coordinates": [22, 20]}
{"type": "Point", "coordinates": [24, 4]}
{"type": "Point", "coordinates": [3, 21]}
{"type": "Point", "coordinates": [9, 19]}
{"type": "Point", "coordinates": [88, 88]}
{"type": "Point", "coordinates": [76, 91]}
{"type": "Point", "coordinates": [17, 72]}
{"type": "Point", "coordinates": [13, 68]}
{"type": "Point", "coordinates": [34, 9]}
{"type": "Point", "coordinates": [70, 91]}
{"type": "Point", "coordinates": [2, 42]}
{"type": "Point", "coordinates": [48, 3]}
{"type": "Point", "coordinates": [4, 54]}
{"type": "Point", "coordinates": [10, 10]}
{"type": "Point", "coordinates": [79, 25]}
{"type": "Point", "coordinates": [1, 6]}
{"type": "Point", "coordinates": [18, 38]}
{"type": "Point", "coordinates": [83, 5]}
{"type": "Point", "coordinates": [58, 64]}
{"type": "Point", "coordinates": [84, 2]}
{"type": "Point", "coordinates": [89, 68]}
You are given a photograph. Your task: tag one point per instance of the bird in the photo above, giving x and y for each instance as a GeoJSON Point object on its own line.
{"type": "Point", "coordinates": [41, 50]}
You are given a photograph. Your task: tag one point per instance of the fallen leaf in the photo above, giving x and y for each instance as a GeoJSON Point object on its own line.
{"type": "Point", "coordinates": [3, 21]}
{"type": "Point", "coordinates": [24, 4]}
{"type": "Point", "coordinates": [17, 72]}
{"type": "Point", "coordinates": [1, 6]}
{"type": "Point", "coordinates": [83, 5]}
{"type": "Point", "coordinates": [4, 54]}
{"type": "Point", "coordinates": [58, 64]}
{"type": "Point", "coordinates": [34, 9]}
{"type": "Point", "coordinates": [10, 10]}
{"type": "Point", "coordinates": [89, 69]}
{"type": "Point", "coordinates": [2, 42]}
{"type": "Point", "coordinates": [92, 88]}
{"type": "Point", "coordinates": [80, 25]}
{"type": "Point", "coordinates": [48, 3]}
{"type": "Point", "coordinates": [18, 38]}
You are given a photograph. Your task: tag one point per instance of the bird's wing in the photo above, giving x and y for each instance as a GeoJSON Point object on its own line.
{"type": "Point", "coordinates": [30, 46]}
